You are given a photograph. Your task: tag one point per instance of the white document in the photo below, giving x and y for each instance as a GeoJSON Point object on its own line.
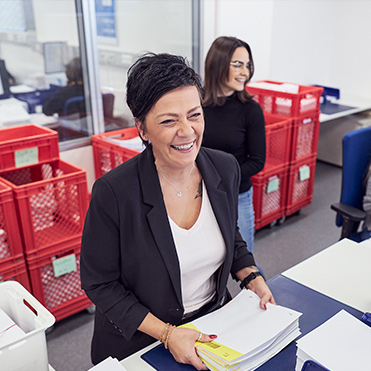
{"type": "Point", "coordinates": [241, 317]}
{"type": "Point", "coordinates": [342, 343]}
{"type": "Point", "coordinates": [248, 336]}
{"type": "Point", "coordinates": [109, 364]}
{"type": "Point", "coordinates": [21, 89]}
{"type": "Point", "coordinates": [12, 111]}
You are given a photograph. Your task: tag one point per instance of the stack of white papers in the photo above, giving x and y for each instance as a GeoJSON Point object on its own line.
{"type": "Point", "coordinates": [342, 343]}
{"type": "Point", "coordinates": [109, 364]}
{"type": "Point", "coordinates": [248, 336]}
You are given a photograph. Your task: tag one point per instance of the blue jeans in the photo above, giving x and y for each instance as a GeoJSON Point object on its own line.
{"type": "Point", "coordinates": [246, 218]}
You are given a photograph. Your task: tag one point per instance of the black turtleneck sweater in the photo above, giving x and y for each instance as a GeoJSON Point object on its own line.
{"type": "Point", "coordinates": [238, 128]}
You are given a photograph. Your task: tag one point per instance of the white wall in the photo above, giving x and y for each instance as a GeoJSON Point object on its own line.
{"type": "Point", "coordinates": [303, 41]}
{"type": "Point", "coordinates": [249, 20]}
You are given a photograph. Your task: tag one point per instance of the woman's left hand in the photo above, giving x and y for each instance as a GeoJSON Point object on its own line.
{"type": "Point", "coordinates": [261, 289]}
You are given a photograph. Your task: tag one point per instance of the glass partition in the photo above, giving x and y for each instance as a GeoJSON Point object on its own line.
{"type": "Point", "coordinates": [126, 29]}
{"type": "Point", "coordinates": [40, 46]}
{"type": "Point", "coordinates": [67, 60]}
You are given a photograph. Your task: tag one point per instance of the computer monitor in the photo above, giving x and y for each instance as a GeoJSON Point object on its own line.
{"type": "Point", "coordinates": [53, 57]}
{"type": "Point", "coordinates": [4, 81]}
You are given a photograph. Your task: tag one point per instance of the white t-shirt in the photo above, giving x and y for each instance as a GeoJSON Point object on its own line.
{"type": "Point", "coordinates": [201, 251]}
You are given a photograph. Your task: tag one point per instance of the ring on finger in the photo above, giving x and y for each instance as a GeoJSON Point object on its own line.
{"type": "Point", "coordinates": [199, 336]}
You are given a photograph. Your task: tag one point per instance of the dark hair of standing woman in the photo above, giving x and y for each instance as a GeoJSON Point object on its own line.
{"type": "Point", "coordinates": [154, 75]}
{"type": "Point", "coordinates": [217, 66]}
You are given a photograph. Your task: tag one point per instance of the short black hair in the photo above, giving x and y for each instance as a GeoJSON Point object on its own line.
{"type": "Point", "coordinates": [154, 75]}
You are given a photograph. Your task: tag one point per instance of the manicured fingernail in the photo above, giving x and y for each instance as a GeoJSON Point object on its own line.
{"type": "Point", "coordinates": [213, 336]}
{"type": "Point", "coordinates": [265, 307]}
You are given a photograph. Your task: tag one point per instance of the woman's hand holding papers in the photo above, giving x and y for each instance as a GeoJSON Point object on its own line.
{"type": "Point", "coordinates": [182, 346]}
{"type": "Point", "coordinates": [258, 286]}
{"type": "Point", "coordinates": [261, 289]}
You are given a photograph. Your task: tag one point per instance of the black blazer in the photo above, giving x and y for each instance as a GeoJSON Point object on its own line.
{"type": "Point", "coordinates": [129, 264]}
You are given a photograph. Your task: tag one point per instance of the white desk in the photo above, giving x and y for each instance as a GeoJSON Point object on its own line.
{"type": "Point", "coordinates": [360, 104]}
{"type": "Point", "coordinates": [333, 127]}
{"type": "Point", "coordinates": [342, 272]}
{"type": "Point", "coordinates": [135, 363]}
{"type": "Point", "coordinates": [42, 119]}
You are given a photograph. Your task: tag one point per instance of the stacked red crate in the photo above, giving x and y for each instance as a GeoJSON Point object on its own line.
{"type": "Point", "coordinates": [270, 185]}
{"type": "Point", "coordinates": [55, 277]}
{"type": "Point", "coordinates": [50, 199]}
{"type": "Point", "coordinates": [12, 262]}
{"type": "Point", "coordinates": [25, 145]}
{"type": "Point", "coordinates": [302, 107]}
{"type": "Point", "coordinates": [109, 149]}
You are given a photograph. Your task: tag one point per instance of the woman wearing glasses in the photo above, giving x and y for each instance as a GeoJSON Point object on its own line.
{"type": "Point", "coordinates": [234, 122]}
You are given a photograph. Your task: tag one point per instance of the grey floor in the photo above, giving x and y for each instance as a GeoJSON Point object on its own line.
{"type": "Point", "coordinates": [276, 249]}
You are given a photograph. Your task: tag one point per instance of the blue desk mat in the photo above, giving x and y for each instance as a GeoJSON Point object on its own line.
{"type": "Point", "coordinates": [330, 108]}
{"type": "Point", "coordinates": [316, 308]}
{"type": "Point", "coordinates": [162, 360]}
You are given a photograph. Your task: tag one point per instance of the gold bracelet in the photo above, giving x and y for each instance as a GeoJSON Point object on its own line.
{"type": "Point", "coordinates": [168, 336]}
{"type": "Point", "coordinates": [163, 332]}
{"type": "Point", "coordinates": [166, 333]}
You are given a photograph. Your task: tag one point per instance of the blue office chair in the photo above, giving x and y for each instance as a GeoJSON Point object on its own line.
{"type": "Point", "coordinates": [73, 106]}
{"type": "Point", "coordinates": [77, 104]}
{"type": "Point", "coordinates": [356, 157]}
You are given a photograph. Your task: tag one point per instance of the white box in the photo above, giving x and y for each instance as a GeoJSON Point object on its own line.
{"type": "Point", "coordinates": [29, 352]}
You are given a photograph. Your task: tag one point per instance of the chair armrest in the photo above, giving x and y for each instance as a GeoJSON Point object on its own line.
{"type": "Point", "coordinates": [349, 212]}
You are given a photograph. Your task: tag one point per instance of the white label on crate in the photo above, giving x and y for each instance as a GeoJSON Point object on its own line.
{"type": "Point", "coordinates": [304, 172]}
{"type": "Point", "coordinates": [26, 157]}
{"type": "Point", "coordinates": [64, 265]}
{"type": "Point", "coordinates": [272, 185]}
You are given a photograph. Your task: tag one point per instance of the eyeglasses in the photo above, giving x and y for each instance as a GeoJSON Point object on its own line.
{"type": "Point", "coordinates": [238, 65]}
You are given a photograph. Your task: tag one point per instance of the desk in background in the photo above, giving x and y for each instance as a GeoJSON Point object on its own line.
{"type": "Point", "coordinates": [342, 272]}
{"type": "Point", "coordinates": [318, 303]}
{"type": "Point", "coordinates": [335, 126]}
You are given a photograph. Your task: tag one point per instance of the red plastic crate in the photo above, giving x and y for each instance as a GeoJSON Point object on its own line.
{"type": "Point", "coordinates": [60, 293]}
{"type": "Point", "coordinates": [51, 201]}
{"type": "Point", "coordinates": [25, 145]}
{"type": "Point", "coordinates": [306, 101]}
{"type": "Point", "coordinates": [305, 134]}
{"type": "Point", "coordinates": [11, 249]}
{"type": "Point", "coordinates": [269, 195]}
{"type": "Point", "coordinates": [15, 272]}
{"type": "Point", "coordinates": [300, 185]}
{"type": "Point", "coordinates": [278, 140]}
{"type": "Point", "coordinates": [108, 154]}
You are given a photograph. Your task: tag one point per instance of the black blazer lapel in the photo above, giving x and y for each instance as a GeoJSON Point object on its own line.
{"type": "Point", "coordinates": [221, 207]}
{"type": "Point", "coordinates": [157, 218]}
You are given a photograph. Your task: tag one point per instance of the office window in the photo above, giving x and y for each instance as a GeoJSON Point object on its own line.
{"type": "Point", "coordinates": [40, 46]}
{"type": "Point", "coordinates": [126, 29]}
{"type": "Point", "coordinates": [67, 60]}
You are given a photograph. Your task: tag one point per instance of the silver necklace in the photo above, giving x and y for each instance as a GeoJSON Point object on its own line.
{"type": "Point", "coordinates": [178, 192]}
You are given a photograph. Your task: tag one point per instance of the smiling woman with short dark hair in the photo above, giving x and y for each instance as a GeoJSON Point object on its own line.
{"type": "Point", "coordinates": [161, 237]}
